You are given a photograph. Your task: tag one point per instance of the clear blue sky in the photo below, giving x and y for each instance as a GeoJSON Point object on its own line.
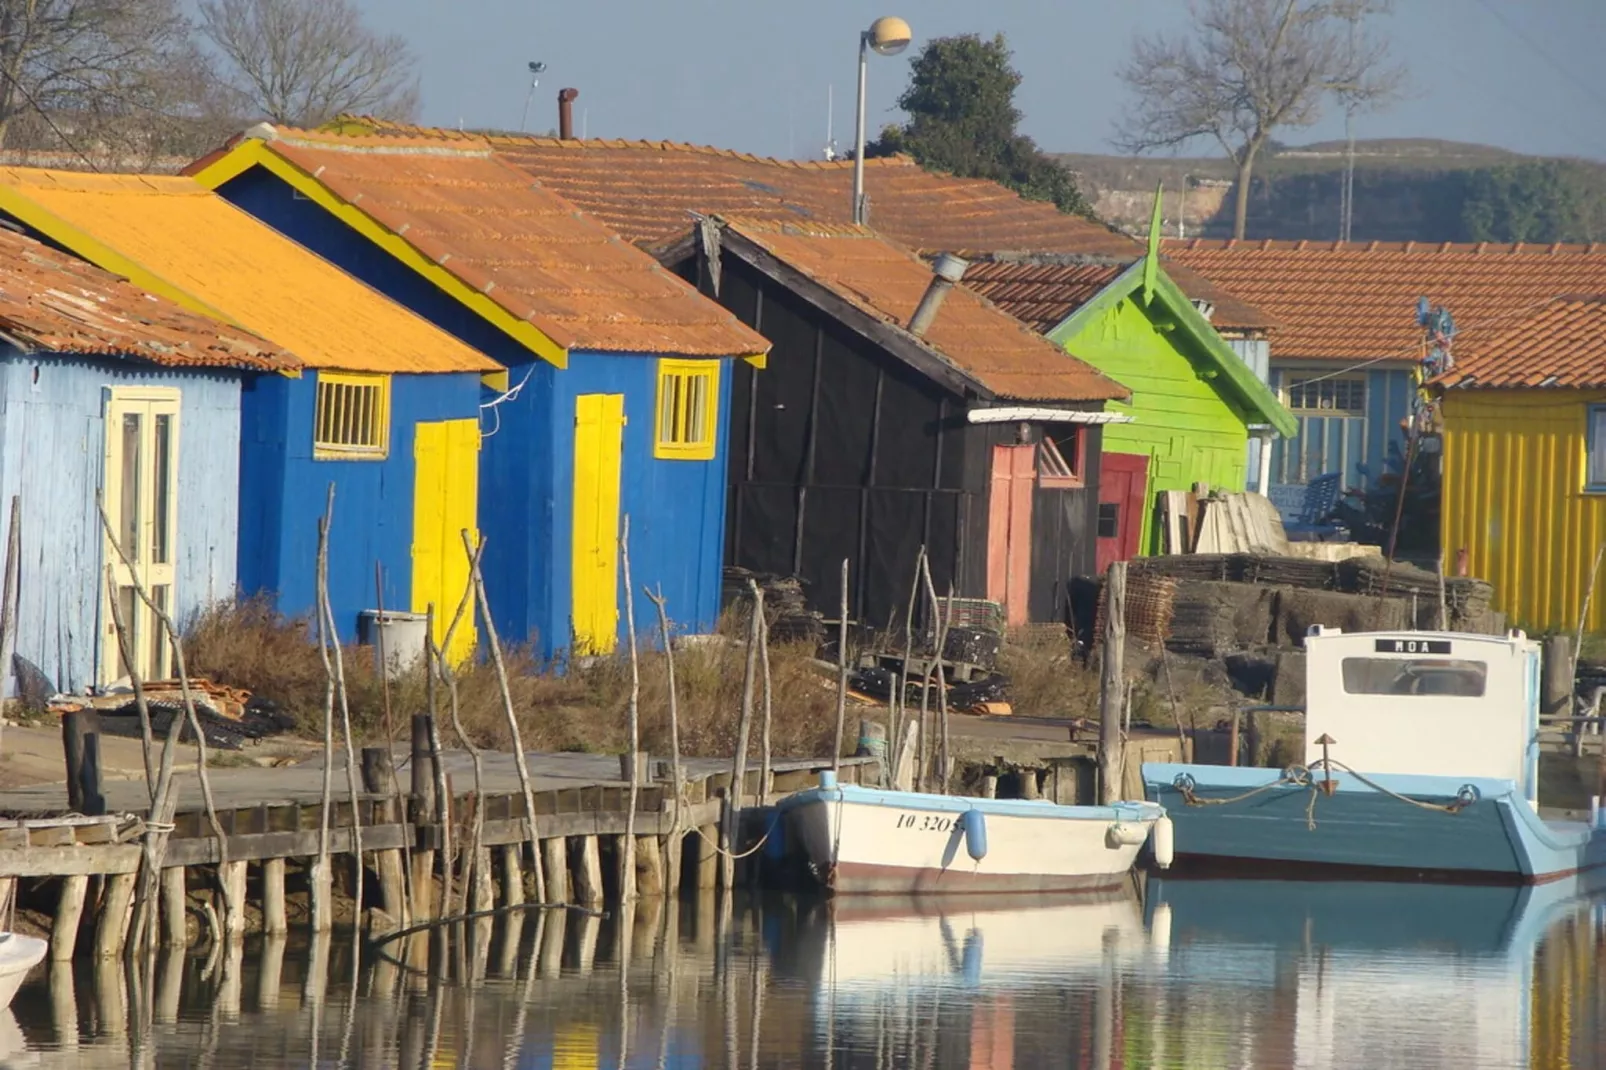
{"type": "Point", "coordinates": [753, 74]}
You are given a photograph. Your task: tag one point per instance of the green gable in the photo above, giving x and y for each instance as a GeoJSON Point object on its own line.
{"type": "Point", "coordinates": [1193, 398]}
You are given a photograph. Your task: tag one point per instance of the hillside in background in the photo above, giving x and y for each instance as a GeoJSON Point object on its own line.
{"type": "Point", "coordinates": [1406, 189]}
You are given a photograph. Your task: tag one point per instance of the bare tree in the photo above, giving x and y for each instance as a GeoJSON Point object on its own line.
{"type": "Point", "coordinates": [1246, 68]}
{"type": "Point", "coordinates": [79, 67]}
{"type": "Point", "coordinates": [303, 62]}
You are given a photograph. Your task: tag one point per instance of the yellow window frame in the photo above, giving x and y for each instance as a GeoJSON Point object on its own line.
{"type": "Point", "coordinates": [351, 417]}
{"type": "Point", "coordinates": [687, 422]}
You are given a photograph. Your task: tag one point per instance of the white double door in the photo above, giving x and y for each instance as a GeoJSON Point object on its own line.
{"type": "Point", "coordinates": [140, 489]}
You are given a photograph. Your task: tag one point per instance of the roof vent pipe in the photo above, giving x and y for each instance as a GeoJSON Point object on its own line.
{"type": "Point", "coordinates": [566, 113]}
{"type": "Point", "coordinates": [948, 270]}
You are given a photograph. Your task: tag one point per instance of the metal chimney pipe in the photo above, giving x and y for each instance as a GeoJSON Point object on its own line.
{"type": "Point", "coordinates": [948, 270]}
{"type": "Point", "coordinates": [566, 113]}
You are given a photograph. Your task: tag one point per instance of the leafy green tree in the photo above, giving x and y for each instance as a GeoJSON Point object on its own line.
{"type": "Point", "coordinates": [963, 119]}
{"type": "Point", "coordinates": [1539, 201]}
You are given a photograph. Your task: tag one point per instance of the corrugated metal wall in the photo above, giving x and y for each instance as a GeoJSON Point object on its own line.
{"type": "Point", "coordinates": [1514, 499]}
{"type": "Point", "coordinates": [52, 445]}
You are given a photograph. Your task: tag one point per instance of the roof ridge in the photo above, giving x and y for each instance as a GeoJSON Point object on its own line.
{"type": "Point", "coordinates": [498, 138]}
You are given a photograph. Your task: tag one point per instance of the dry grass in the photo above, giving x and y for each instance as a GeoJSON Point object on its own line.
{"type": "Point", "coordinates": [250, 645]}
{"type": "Point", "coordinates": [1045, 679]}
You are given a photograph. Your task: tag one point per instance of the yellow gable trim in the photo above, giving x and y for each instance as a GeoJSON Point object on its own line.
{"type": "Point", "coordinates": [253, 153]}
{"type": "Point", "coordinates": [17, 205]}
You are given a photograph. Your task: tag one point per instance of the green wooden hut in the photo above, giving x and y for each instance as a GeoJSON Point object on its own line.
{"type": "Point", "coordinates": [1195, 403]}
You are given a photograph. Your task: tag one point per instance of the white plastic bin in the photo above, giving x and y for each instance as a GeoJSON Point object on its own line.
{"type": "Point", "coordinates": [402, 634]}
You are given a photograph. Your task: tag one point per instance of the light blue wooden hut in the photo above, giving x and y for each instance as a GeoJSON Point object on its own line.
{"type": "Point", "coordinates": [107, 390]}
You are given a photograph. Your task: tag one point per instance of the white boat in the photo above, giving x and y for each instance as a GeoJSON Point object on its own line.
{"type": "Point", "coordinates": [858, 840]}
{"type": "Point", "coordinates": [18, 955]}
{"type": "Point", "coordinates": [1421, 762]}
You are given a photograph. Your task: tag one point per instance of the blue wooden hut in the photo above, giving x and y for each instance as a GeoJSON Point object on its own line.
{"type": "Point", "coordinates": [617, 373]}
{"type": "Point", "coordinates": [107, 390]}
{"type": "Point", "coordinates": [388, 412]}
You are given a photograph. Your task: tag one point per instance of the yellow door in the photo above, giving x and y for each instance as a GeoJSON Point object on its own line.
{"type": "Point", "coordinates": [445, 500]}
{"type": "Point", "coordinates": [140, 490]}
{"type": "Point", "coordinates": [599, 423]}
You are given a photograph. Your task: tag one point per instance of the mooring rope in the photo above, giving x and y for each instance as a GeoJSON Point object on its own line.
{"type": "Point", "coordinates": [1302, 776]}
{"type": "Point", "coordinates": [753, 850]}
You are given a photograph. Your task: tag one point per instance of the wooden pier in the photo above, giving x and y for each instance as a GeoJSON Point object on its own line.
{"type": "Point", "coordinates": [271, 817]}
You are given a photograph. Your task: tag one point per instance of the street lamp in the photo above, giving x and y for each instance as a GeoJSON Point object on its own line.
{"type": "Point", "coordinates": [536, 67]}
{"type": "Point", "coordinates": [887, 36]}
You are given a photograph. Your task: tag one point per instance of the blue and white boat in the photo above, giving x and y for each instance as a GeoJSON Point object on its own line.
{"type": "Point", "coordinates": [1421, 762]}
{"type": "Point", "coordinates": [857, 840]}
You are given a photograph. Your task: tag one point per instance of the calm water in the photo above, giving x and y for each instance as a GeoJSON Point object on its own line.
{"type": "Point", "coordinates": [1208, 974]}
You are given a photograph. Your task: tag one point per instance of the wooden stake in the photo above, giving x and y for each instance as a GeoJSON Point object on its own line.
{"type": "Point", "coordinates": [328, 612]}
{"type": "Point", "coordinates": [520, 761]}
{"type": "Point", "coordinates": [744, 727]}
{"type": "Point", "coordinates": [1112, 687]}
{"type": "Point", "coordinates": [322, 879]}
{"type": "Point", "coordinates": [231, 877]}
{"type": "Point", "coordinates": [841, 668]}
{"type": "Point", "coordinates": [627, 854]}
{"type": "Point", "coordinates": [513, 874]}
{"type": "Point", "coordinates": [900, 698]}
{"type": "Point", "coordinates": [159, 823]}
{"type": "Point", "coordinates": [115, 903]}
{"type": "Point", "coordinates": [378, 774]}
{"type": "Point", "coordinates": [676, 833]}
{"type": "Point", "coordinates": [440, 664]}
{"type": "Point", "coordinates": [767, 706]}
{"type": "Point", "coordinates": [10, 603]}
{"type": "Point", "coordinates": [136, 678]}
{"type": "Point", "coordinates": [425, 805]}
{"type": "Point", "coordinates": [923, 764]}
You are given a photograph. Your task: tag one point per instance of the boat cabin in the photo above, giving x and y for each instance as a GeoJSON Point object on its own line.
{"type": "Point", "coordinates": [1428, 703]}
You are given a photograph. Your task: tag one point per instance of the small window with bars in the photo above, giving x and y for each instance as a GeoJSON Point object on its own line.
{"type": "Point", "coordinates": [1059, 461]}
{"type": "Point", "coordinates": [1339, 395]}
{"type": "Point", "coordinates": [688, 392]}
{"type": "Point", "coordinates": [351, 418]}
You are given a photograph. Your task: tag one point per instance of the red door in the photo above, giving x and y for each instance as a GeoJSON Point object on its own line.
{"type": "Point", "coordinates": [1009, 529]}
{"type": "Point", "coordinates": [1123, 488]}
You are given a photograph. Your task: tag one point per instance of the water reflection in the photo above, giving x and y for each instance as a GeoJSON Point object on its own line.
{"type": "Point", "coordinates": [1211, 974]}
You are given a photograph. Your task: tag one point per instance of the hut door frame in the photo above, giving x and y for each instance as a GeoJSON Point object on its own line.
{"type": "Point", "coordinates": [140, 487]}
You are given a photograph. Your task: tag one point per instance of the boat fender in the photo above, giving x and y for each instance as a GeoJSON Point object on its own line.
{"type": "Point", "coordinates": [1125, 834]}
{"type": "Point", "coordinates": [1164, 843]}
{"type": "Point", "coordinates": [975, 835]}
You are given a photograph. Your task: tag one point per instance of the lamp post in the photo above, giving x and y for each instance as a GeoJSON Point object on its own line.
{"type": "Point", "coordinates": [535, 67]}
{"type": "Point", "coordinates": [887, 36]}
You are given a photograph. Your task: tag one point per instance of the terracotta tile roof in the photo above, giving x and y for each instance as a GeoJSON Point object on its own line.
{"type": "Point", "coordinates": [648, 191]}
{"type": "Point", "coordinates": [1358, 301]}
{"type": "Point", "coordinates": [54, 302]}
{"type": "Point", "coordinates": [1041, 295]}
{"type": "Point", "coordinates": [523, 246]}
{"type": "Point", "coordinates": [170, 236]}
{"type": "Point", "coordinates": [1561, 343]}
{"type": "Point", "coordinates": [887, 281]}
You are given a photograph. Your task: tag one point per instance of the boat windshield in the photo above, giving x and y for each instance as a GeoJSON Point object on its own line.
{"type": "Point", "coordinates": [1415, 676]}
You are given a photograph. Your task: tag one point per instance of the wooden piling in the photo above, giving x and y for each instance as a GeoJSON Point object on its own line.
{"type": "Point", "coordinates": [69, 914]}
{"type": "Point", "coordinates": [707, 858]}
{"type": "Point", "coordinates": [422, 766]}
{"type": "Point", "coordinates": [673, 849]}
{"type": "Point", "coordinates": [989, 787]}
{"type": "Point", "coordinates": [175, 905]}
{"type": "Point", "coordinates": [275, 920]}
{"type": "Point", "coordinates": [231, 875]}
{"type": "Point", "coordinates": [555, 861]}
{"type": "Point", "coordinates": [378, 776]}
{"type": "Point", "coordinates": [649, 867]}
{"type": "Point", "coordinates": [588, 872]}
{"type": "Point", "coordinates": [483, 893]}
{"type": "Point", "coordinates": [80, 738]}
{"type": "Point", "coordinates": [1112, 685]}
{"type": "Point", "coordinates": [111, 930]}
{"type": "Point", "coordinates": [512, 874]}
